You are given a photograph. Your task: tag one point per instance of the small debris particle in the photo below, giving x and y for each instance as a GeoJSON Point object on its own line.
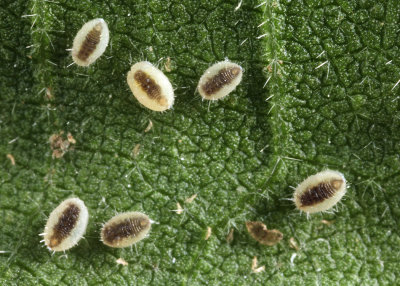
{"type": "Point", "coordinates": [293, 244]}
{"type": "Point", "coordinates": [292, 258]}
{"type": "Point", "coordinates": [49, 93]}
{"type": "Point", "coordinates": [71, 138]}
{"type": "Point", "coordinates": [180, 141]}
{"type": "Point", "coordinates": [149, 126]}
{"type": "Point", "coordinates": [11, 157]}
{"type": "Point", "coordinates": [179, 209]}
{"type": "Point", "coordinates": [254, 265]}
{"type": "Point", "coordinates": [269, 68]}
{"type": "Point", "coordinates": [136, 150]}
{"type": "Point", "coordinates": [327, 222]}
{"type": "Point", "coordinates": [190, 199]}
{"type": "Point", "coordinates": [122, 261]}
{"type": "Point", "coordinates": [229, 237]}
{"type": "Point", "coordinates": [208, 234]}
{"type": "Point", "coordinates": [167, 64]}
{"type": "Point", "coordinates": [59, 145]}
{"type": "Point", "coordinates": [259, 232]}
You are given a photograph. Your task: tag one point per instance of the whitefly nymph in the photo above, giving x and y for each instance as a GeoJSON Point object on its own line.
{"type": "Point", "coordinates": [150, 86]}
{"type": "Point", "coordinates": [66, 225]}
{"type": "Point", "coordinates": [219, 80]}
{"type": "Point", "coordinates": [320, 192]}
{"type": "Point", "coordinates": [90, 42]}
{"type": "Point", "coordinates": [125, 229]}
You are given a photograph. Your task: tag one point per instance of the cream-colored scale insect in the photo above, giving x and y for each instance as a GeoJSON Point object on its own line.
{"type": "Point", "coordinates": [150, 86]}
{"type": "Point", "coordinates": [125, 229]}
{"type": "Point", "coordinates": [320, 192]}
{"type": "Point", "coordinates": [66, 225]}
{"type": "Point", "coordinates": [90, 42]}
{"type": "Point", "coordinates": [219, 80]}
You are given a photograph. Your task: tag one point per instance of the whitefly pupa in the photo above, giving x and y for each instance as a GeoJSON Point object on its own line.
{"type": "Point", "coordinates": [219, 80]}
{"type": "Point", "coordinates": [150, 86]}
{"type": "Point", "coordinates": [66, 225]}
{"type": "Point", "coordinates": [90, 42]}
{"type": "Point", "coordinates": [125, 229]}
{"type": "Point", "coordinates": [320, 192]}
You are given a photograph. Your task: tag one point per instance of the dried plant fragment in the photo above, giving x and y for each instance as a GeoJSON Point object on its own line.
{"type": "Point", "coordinates": [11, 158]}
{"type": "Point", "coordinates": [122, 261]}
{"type": "Point", "coordinates": [60, 145]}
{"type": "Point", "coordinates": [293, 244]}
{"type": "Point", "coordinates": [254, 265]}
{"type": "Point", "coordinates": [229, 237]}
{"type": "Point", "coordinates": [208, 234]}
{"type": "Point", "coordinates": [259, 232]}
{"type": "Point", "coordinates": [190, 199]}
{"type": "Point", "coordinates": [149, 126]}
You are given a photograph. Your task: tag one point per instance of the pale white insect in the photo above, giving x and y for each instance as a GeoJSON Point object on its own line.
{"type": "Point", "coordinates": [90, 42]}
{"type": "Point", "coordinates": [125, 229]}
{"type": "Point", "coordinates": [66, 225]}
{"type": "Point", "coordinates": [219, 80]}
{"type": "Point", "coordinates": [150, 86]}
{"type": "Point", "coordinates": [320, 192]}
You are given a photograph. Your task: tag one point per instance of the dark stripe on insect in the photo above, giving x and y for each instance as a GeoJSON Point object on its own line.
{"type": "Point", "coordinates": [128, 228]}
{"type": "Point", "coordinates": [319, 193]}
{"type": "Point", "coordinates": [224, 77]}
{"type": "Point", "coordinates": [65, 225]}
{"type": "Point", "coordinates": [90, 43]}
{"type": "Point", "coordinates": [148, 85]}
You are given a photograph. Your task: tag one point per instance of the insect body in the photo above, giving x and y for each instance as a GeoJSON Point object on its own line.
{"type": "Point", "coordinates": [90, 42]}
{"type": "Point", "coordinates": [219, 80]}
{"type": "Point", "coordinates": [66, 225]}
{"type": "Point", "coordinates": [125, 229]}
{"type": "Point", "coordinates": [320, 192]}
{"type": "Point", "coordinates": [150, 86]}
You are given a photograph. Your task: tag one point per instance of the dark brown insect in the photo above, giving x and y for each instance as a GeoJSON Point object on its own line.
{"type": "Point", "coordinates": [149, 86]}
{"type": "Point", "coordinates": [320, 192]}
{"type": "Point", "coordinates": [224, 77]}
{"type": "Point", "coordinates": [91, 41]}
{"type": "Point", "coordinates": [125, 229]}
{"type": "Point", "coordinates": [65, 225]}
{"type": "Point", "coordinates": [219, 80]}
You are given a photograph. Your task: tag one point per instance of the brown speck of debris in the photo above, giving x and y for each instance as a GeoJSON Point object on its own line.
{"type": "Point", "coordinates": [229, 237]}
{"type": "Point", "coordinates": [136, 150]}
{"type": "Point", "coordinates": [254, 267]}
{"type": "Point", "coordinates": [293, 244]}
{"type": "Point", "coordinates": [167, 65]}
{"type": "Point", "coordinates": [208, 234]}
{"type": "Point", "coordinates": [71, 138]}
{"type": "Point", "coordinates": [327, 222]}
{"type": "Point", "coordinates": [149, 126]}
{"type": "Point", "coordinates": [11, 157]}
{"type": "Point", "coordinates": [122, 261]}
{"type": "Point", "coordinates": [60, 145]}
{"type": "Point", "coordinates": [49, 93]}
{"type": "Point", "coordinates": [190, 199]}
{"type": "Point", "coordinates": [179, 209]}
{"type": "Point", "coordinates": [259, 232]}
{"type": "Point", "coordinates": [180, 141]}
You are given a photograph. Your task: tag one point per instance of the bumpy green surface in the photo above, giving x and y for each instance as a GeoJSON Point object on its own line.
{"type": "Point", "coordinates": [332, 67]}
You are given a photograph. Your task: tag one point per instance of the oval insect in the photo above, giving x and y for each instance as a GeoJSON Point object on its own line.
{"type": "Point", "coordinates": [66, 225]}
{"type": "Point", "coordinates": [219, 80]}
{"type": "Point", "coordinates": [150, 86]}
{"type": "Point", "coordinates": [90, 42]}
{"type": "Point", "coordinates": [125, 229]}
{"type": "Point", "coordinates": [320, 192]}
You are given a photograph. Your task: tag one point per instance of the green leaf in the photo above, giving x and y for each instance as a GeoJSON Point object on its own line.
{"type": "Point", "coordinates": [319, 91]}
